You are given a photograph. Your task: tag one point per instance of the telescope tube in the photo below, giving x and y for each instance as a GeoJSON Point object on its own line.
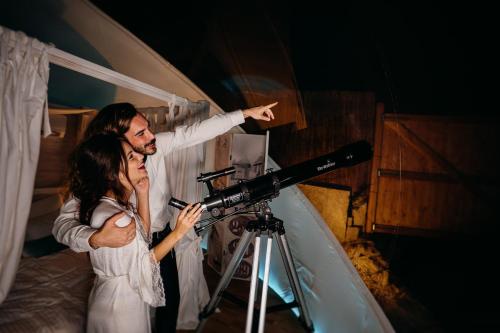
{"type": "Point", "coordinates": [346, 156]}
{"type": "Point", "coordinates": [268, 186]}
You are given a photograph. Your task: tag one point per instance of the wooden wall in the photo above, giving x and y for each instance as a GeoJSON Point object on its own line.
{"type": "Point", "coordinates": [68, 126]}
{"type": "Point", "coordinates": [433, 175]}
{"type": "Point", "coordinates": [334, 119]}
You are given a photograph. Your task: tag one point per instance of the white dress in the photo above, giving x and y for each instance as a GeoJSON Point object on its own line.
{"type": "Point", "coordinates": [127, 279]}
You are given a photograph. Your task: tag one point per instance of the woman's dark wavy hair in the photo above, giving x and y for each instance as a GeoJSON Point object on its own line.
{"type": "Point", "coordinates": [112, 118]}
{"type": "Point", "coordinates": [94, 168]}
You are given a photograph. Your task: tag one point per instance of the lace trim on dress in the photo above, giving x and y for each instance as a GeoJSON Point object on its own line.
{"type": "Point", "coordinates": [147, 237]}
{"type": "Point", "coordinates": [158, 290]}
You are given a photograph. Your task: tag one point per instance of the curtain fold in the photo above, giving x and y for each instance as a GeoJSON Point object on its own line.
{"type": "Point", "coordinates": [186, 165]}
{"type": "Point", "coordinates": [183, 166]}
{"type": "Point", "coordinates": [24, 74]}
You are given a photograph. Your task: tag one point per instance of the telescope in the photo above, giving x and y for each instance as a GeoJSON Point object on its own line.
{"type": "Point", "coordinates": [267, 186]}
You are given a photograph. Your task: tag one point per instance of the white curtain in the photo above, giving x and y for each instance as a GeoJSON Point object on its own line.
{"type": "Point", "coordinates": [24, 74]}
{"type": "Point", "coordinates": [186, 165]}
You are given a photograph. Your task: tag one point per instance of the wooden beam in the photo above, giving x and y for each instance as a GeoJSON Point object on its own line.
{"type": "Point", "coordinates": [426, 176]}
{"type": "Point", "coordinates": [375, 165]}
{"type": "Point", "coordinates": [66, 112]}
{"type": "Point", "coordinates": [399, 230]}
{"type": "Point", "coordinates": [46, 190]}
{"type": "Point", "coordinates": [78, 119]}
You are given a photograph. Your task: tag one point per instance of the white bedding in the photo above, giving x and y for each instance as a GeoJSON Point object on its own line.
{"type": "Point", "coordinates": [50, 294]}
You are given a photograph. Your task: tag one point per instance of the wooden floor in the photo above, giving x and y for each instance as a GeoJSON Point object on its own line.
{"type": "Point", "coordinates": [232, 317]}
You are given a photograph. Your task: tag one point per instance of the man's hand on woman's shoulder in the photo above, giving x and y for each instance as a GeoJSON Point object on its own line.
{"type": "Point", "coordinates": [112, 235]}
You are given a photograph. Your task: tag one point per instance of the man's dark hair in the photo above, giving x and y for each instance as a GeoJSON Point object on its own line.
{"type": "Point", "coordinates": [112, 118]}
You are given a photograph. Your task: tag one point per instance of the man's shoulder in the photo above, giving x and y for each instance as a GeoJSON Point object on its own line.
{"type": "Point", "coordinates": [163, 143]}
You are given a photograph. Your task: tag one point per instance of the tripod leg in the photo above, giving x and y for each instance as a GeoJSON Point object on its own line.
{"type": "Point", "coordinates": [226, 278]}
{"type": "Point", "coordinates": [263, 302]}
{"type": "Point", "coordinates": [253, 285]}
{"type": "Point", "coordinates": [292, 276]}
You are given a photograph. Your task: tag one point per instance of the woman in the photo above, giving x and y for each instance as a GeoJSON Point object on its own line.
{"type": "Point", "coordinates": [107, 176]}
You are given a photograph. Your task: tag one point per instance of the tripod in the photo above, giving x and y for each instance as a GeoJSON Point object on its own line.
{"type": "Point", "coordinates": [270, 227]}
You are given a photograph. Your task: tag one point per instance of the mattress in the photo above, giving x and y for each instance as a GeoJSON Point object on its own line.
{"type": "Point", "coordinates": [49, 294]}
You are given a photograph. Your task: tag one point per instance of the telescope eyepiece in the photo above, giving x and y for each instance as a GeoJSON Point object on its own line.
{"type": "Point", "coordinates": [177, 203]}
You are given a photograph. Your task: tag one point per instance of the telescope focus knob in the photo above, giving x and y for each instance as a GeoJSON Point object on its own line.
{"type": "Point", "coordinates": [216, 212]}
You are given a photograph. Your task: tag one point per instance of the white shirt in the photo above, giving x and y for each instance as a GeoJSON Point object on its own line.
{"type": "Point", "coordinates": [67, 228]}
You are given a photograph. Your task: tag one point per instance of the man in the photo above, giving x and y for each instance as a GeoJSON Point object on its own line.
{"type": "Point", "coordinates": [124, 119]}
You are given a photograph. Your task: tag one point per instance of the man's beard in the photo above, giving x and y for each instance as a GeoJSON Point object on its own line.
{"type": "Point", "coordinates": [147, 149]}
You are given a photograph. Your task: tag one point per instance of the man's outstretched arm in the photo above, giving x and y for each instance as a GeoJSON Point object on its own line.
{"type": "Point", "coordinates": [186, 136]}
{"type": "Point", "coordinates": [69, 231]}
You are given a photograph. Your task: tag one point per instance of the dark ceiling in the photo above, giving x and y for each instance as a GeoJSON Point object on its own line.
{"type": "Point", "coordinates": [420, 57]}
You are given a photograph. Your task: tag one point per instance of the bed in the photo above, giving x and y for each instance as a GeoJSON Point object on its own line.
{"type": "Point", "coordinates": [49, 294]}
{"type": "Point", "coordinates": [52, 283]}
